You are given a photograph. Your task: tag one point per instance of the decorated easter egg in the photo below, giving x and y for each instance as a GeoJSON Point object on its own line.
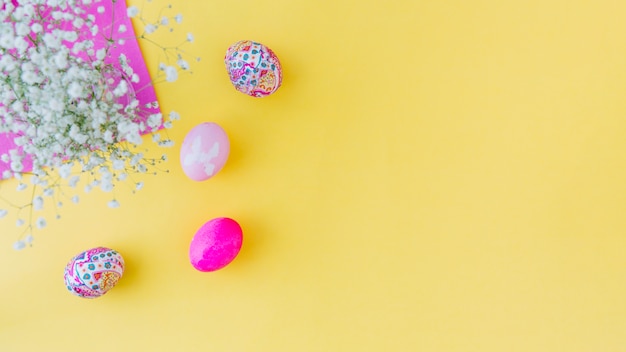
{"type": "Point", "coordinates": [204, 151]}
{"type": "Point", "coordinates": [253, 68]}
{"type": "Point", "coordinates": [215, 244]}
{"type": "Point", "coordinates": [93, 273]}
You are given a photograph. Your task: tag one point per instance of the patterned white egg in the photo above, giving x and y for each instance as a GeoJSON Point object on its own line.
{"type": "Point", "coordinates": [94, 272]}
{"type": "Point", "coordinates": [253, 68]}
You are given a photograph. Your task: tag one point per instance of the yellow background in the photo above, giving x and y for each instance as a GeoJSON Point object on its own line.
{"type": "Point", "coordinates": [431, 176]}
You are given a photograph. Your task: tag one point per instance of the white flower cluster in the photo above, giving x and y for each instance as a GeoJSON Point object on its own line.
{"type": "Point", "coordinates": [68, 106]}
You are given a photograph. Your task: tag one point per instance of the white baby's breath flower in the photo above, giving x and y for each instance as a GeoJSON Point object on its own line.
{"type": "Point", "coordinates": [122, 28]}
{"type": "Point", "coordinates": [134, 137]}
{"type": "Point", "coordinates": [178, 18]}
{"type": "Point", "coordinates": [75, 90]}
{"type": "Point", "coordinates": [166, 143]}
{"type": "Point", "coordinates": [56, 105]}
{"type": "Point", "coordinates": [101, 54]}
{"type": "Point", "coordinates": [21, 186]}
{"type": "Point", "coordinates": [61, 60]}
{"type": "Point", "coordinates": [30, 77]}
{"type": "Point", "coordinates": [75, 199]}
{"type": "Point", "coordinates": [121, 89]}
{"type": "Point", "coordinates": [34, 180]}
{"type": "Point", "coordinates": [20, 44]}
{"type": "Point", "coordinates": [190, 37]}
{"type": "Point", "coordinates": [38, 203]}
{"type": "Point", "coordinates": [106, 186]}
{"type": "Point", "coordinates": [132, 11]}
{"type": "Point", "coordinates": [65, 170]}
{"type": "Point", "coordinates": [150, 28]}
{"type": "Point", "coordinates": [171, 73]}
{"type": "Point", "coordinates": [22, 29]}
{"type": "Point", "coordinates": [41, 223]}
{"type": "Point", "coordinates": [165, 21]}
{"type": "Point", "coordinates": [19, 245]}
{"type": "Point", "coordinates": [70, 36]}
{"type": "Point", "coordinates": [36, 28]}
{"type": "Point", "coordinates": [20, 222]}
{"type": "Point", "coordinates": [174, 116]}
{"type": "Point", "coordinates": [154, 120]}
{"type": "Point", "coordinates": [183, 64]}
{"type": "Point", "coordinates": [114, 204]}
{"type": "Point", "coordinates": [118, 164]}
{"type": "Point", "coordinates": [17, 166]}
{"type": "Point", "coordinates": [108, 136]}
{"type": "Point", "coordinates": [139, 186]}
{"type": "Point", "coordinates": [3, 213]}
{"type": "Point", "coordinates": [7, 41]}
{"type": "Point", "coordinates": [78, 22]}
{"type": "Point", "coordinates": [136, 159]}
{"type": "Point", "coordinates": [73, 181]}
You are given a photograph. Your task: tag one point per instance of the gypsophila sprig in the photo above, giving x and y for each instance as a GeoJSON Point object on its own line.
{"type": "Point", "coordinates": [175, 56]}
{"type": "Point", "coordinates": [71, 106]}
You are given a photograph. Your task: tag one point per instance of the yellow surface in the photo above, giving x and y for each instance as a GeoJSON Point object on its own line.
{"type": "Point", "coordinates": [432, 176]}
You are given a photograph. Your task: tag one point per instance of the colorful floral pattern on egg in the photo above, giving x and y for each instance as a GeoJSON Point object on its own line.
{"type": "Point", "coordinates": [254, 69]}
{"type": "Point", "coordinates": [94, 272]}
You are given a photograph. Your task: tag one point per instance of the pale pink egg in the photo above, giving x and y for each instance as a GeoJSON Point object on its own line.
{"type": "Point", "coordinates": [204, 151]}
{"type": "Point", "coordinates": [215, 244]}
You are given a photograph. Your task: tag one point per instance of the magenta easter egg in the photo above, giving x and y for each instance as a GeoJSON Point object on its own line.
{"type": "Point", "coordinates": [215, 244]}
{"type": "Point", "coordinates": [253, 68]}
{"type": "Point", "coordinates": [93, 273]}
{"type": "Point", "coordinates": [204, 151]}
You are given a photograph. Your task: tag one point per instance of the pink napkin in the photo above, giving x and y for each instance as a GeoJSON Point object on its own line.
{"type": "Point", "coordinates": [109, 25]}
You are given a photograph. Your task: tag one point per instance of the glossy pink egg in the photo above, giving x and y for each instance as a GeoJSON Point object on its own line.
{"type": "Point", "coordinates": [216, 244]}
